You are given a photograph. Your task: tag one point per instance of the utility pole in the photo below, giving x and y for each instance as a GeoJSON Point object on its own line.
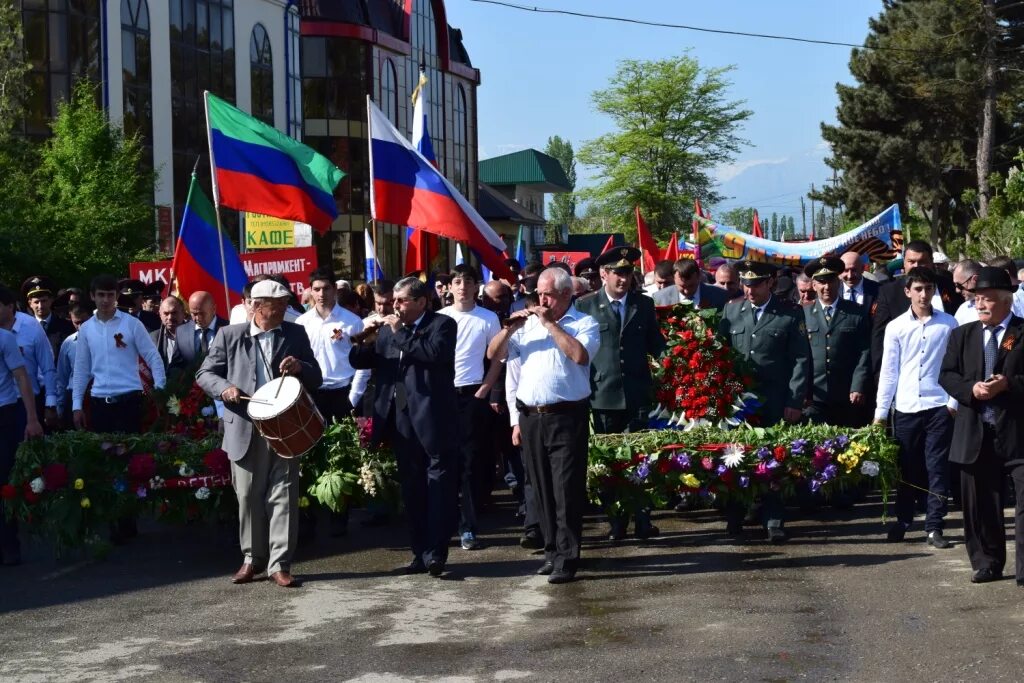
{"type": "Point", "coordinates": [803, 217]}
{"type": "Point", "coordinates": [811, 197]}
{"type": "Point", "coordinates": [988, 112]}
{"type": "Point", "coordinates": [835, 184]}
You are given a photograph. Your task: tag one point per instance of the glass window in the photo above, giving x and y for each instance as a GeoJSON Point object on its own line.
{"type": "Point", "coordinates": [294, 75]}
{"type": "Point", "coordinates": [137, 91]}
{"type": "Point", "coordinates": [460, 165]}
{"type": "Point", "coordinates": [261, 75]}
{"type": "Point", "coordinates": [389, 91]}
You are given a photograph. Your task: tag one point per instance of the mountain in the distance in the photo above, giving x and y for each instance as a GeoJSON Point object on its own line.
{"type": "Point", "coordinates": [772, 185]}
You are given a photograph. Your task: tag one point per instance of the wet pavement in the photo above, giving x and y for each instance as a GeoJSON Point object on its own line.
{"type": "Point", "coordinates": [836, 603]}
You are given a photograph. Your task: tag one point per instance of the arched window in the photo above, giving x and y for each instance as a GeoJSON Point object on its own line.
{"type": "Point", "coordinates": [389, 91]}
{"type": "Point", "coordinates": [136, 71]}
{"type": "Point", "coordinates": [261, 75]}
{"type": "Point", "coordinates": [424, 43]}
{"type": "Point", "coordinates": [460, 151]}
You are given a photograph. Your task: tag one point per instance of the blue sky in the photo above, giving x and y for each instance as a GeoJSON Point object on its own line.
{"type": "Point", "coordinates": [538, 71]}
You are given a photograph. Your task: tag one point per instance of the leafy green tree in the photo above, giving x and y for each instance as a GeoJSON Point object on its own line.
{"type": "Point", "coordinates": [94, 199]}
{"type": "Point", "coordinates": [741, 218]}
{"type": "Point", "coordinates": [673, 124]}
{"type": "Point", "coordinates": [1001, 233]}
{"type": "Point", "coordinates": [775, 231]}
{"type": "Point", "coordinates": [563, 206]}
{"type": "Point", "coordinates": [13, 68]}
{"type": "Point", "coordinates": [790, 225]}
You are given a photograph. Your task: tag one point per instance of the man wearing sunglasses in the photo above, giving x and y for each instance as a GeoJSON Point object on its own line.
{"type": "Point", "coordinates": [965, 275]}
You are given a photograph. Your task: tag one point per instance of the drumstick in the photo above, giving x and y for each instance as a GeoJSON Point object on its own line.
{"type": "Point", "coordinates": [280, 383]}
{"type": "Point", "coordinates": [255, 400]}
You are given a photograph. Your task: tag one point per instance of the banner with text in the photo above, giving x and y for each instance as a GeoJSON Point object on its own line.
{"type": "Point", "coordinates": [294, 264]}
{"type": "Point", "coordinates": [569, 257]}
{"type": "Point", "coordinates": [267, 232]}
{"type": "Point", "coordinates": [722, 240]}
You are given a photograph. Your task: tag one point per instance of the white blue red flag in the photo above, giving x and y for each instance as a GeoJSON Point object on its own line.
{"type": "Point", "coordinates": [373, 269]}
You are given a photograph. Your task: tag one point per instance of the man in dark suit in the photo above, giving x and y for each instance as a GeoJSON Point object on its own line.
{"type": "Point", "coordinates": [38, 292]}
{"type": "Point", "coordinates": [172, 315]}
{"type": "Point", "coordinates": [892, 300]}
{"type": "Point", "coordinates": [412, 355]}
{"type": "Point", "coordinates": [770, 333]}
{"type": "Point", "coordinates": [983, 369]}
{"type": "Point", "coordinates": [690, 288]}
{"type": "Point", "coordinates": [620, 375]}
{"type": "Point", "coordinates": [856, 287]}
{"type": "Point", "coordinates": [243, 358]}
{"type": "Point", "coordinates": [129, 300]}
{"type": "Point", "coordinates": [194, 337]}
{"type": "Point", "coordinates": [839, 335]}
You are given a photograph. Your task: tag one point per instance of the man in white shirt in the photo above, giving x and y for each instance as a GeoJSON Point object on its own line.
{"type": "Point", "coordinates": [66, 365]}
{"type": "Point", "coordinates": [39, 360]}
{"type": "Point", "coordinates": [912, 353]}
{"type": "Point", "coordinates": [553, 343]}
{"type": "Point", "coordinates": [965, 274]}
{"type": "Point", "coordinates": [108, 350]}
{"type": "Point", "coordinates": [330, 328]}
{"type": "Point", "coordinates": [477, 326]}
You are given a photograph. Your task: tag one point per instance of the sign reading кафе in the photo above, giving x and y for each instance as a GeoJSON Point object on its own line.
{"type": "Point", "coordinates": [267, 232]}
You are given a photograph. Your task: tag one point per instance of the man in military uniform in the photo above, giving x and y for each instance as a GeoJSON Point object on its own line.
{"type": "Point", "coordinates": [839, 333]}
{"type": "Point", "coordinates": [129, 300]}
{"type": "Point", "coordinates": [38, 291]}
{"type": "Point", "coordinates": [770, 333]}
{"type": "Point", "coordinates": [620, 376]}
{"type": "Point", "coordinates": [587, 269]}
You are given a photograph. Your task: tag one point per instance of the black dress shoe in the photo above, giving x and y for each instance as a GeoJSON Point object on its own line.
{"type": "Point", "coordinates": [937, 540]}
{"type": "Point", "coordinates": [777, 535]}
{"type": "Point", "coordinates": [531, 540]}
{"type": "Point", "coordinates": [896, 532]}
{"type": "Point", "coordinates": [615, 536]}
{"type": "Point", "coordinates": [436, 568]}
{"type": "Point", "coordinates": [734, 528]}
{"type": "Point", "coordinates": [986, 575]}
{"type": "Point", "coordinates": [546, 569]}
{"type": "Point", "coordinates": [649, 531]}
{"type": "Point", "coordinates": [415, 567]}
{"type": "Point", "coordinates": [561, 576]}
{"type": "Point", "coordinates": [1020, 583]}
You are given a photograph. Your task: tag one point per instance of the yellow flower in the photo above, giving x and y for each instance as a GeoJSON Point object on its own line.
{"type": "Point", "coordinates": [690, 481]}
{"type": "Point", "coordinates": [303, 502]}
{"type": "Point", "coordinates": [86, 503]}
{"type": "Point", "coordinates": [79, 485]}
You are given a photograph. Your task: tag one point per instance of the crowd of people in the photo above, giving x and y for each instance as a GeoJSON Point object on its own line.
{"type": "Point", "coordinates": [468, 381]}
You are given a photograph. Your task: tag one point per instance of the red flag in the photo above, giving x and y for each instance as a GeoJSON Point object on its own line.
{"type": "Point", "coordinates": [672, 250]}
{"type": "Point", "coordinates": [648, 247]}
{"type": "Point", "coordinates": [757, 231]}
{"type": "Point", "coordinates": [609, 245]}
{"type": "Point", "coordinates": [422, 248]}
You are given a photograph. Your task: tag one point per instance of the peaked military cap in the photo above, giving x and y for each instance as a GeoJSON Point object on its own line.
{"type": "Point", "coordinates": [585, 267]}
{"type": "Point", "coordinates": [618, 257]}
{"type": "Point", "coordinates": [38, 285]}
{"type": "Point", "coordinates": [752, 272]}
{"type": "Point", "coordinates": [131, 287]}
{"type": "Point", "coordinates": [825, 268]}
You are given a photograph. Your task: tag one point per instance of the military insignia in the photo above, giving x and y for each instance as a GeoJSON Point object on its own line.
{"type": "Point", "coordinates": [1008, 341]}
{"type": "Point", "coordinates": [119, 341]}
{"type": "Point", "coordinates": [874, 307]}
{"type": "Point", "coordinates": [823, 261]}
{"type": "Point", "coordinates": [336, 334]}
{"type": "Point", "coordinates": [803, 328]}
{"type": "Point", "coordinates": [624, 253]}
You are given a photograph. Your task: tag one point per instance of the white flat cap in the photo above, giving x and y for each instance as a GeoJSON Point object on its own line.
{"type": "Point", "coordinates": [268, 289]}
{"type": "Point", "coordinates": [939, 257]}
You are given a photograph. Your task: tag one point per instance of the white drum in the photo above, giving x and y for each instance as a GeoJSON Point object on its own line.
{"type": "Point", "coordinates": [284, 414]}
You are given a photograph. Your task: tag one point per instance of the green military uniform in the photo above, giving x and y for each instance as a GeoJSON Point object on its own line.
{"type": "Point", "coordinates": [776, 346]}
{"type": "Point", "coordinates": [841, 361]}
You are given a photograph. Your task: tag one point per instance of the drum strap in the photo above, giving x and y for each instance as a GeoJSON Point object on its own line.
{"type": "Point", "coordinates": [268, 373]}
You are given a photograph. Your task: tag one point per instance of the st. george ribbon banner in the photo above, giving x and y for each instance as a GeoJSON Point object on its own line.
{"type": "Point", "coordinates": [721, 240]}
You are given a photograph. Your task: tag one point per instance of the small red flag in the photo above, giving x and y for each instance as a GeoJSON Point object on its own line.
{"type": "Point", "coordinates": [609, 244]}
{"type": "Point", "coordinates": [648, 247]}
{"type": "Point", "coordinates": [672, 250]}
{"type": "Point", "coordinates": [757, 232]}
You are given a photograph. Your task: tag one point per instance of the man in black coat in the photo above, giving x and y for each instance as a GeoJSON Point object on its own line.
{"type": "Point", "coordinates": [172, 314]}
{"type": "Point", "coordinates": [690, 288]}
{"type": "Point", "coordinates": [412, 355]}
{"type": "Point", "coordinates": [983, 369]}
{"type": "Point", "coordinates": [856, 287]}
{"type": "Point", "coordinates": [194, 337]}
{"type": "Point", "coordinates": [892, 301]}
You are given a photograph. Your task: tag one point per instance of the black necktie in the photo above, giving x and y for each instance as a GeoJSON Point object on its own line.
{"type": "Point", "coordinates": [828, 315]}
{"type": "Point", "coordinates": [617, 310]}
{"type": "Point", "coordinates": [45, 324]}
{"type": "Point", "coordinates": [988, 413]}
{"type": "Point", "coordinates": [204, 341]}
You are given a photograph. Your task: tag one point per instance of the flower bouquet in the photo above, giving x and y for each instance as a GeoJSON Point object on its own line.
{"type": "Point", "coordinates": [345, 468]}
{"type": "Point", "coordinates": [700, 380]}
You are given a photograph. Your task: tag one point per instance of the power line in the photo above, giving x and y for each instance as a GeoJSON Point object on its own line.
{"type": "Point", "coordinates": [701, 29]}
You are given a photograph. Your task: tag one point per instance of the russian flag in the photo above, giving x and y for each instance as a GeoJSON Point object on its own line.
{"type": "Point", "coordinates": [373, 269]}
{"type": "Point", "coordinates": [197, 259]}
{"type": "Point", "coordinates": [260, 169]}
{"type": "Point", "coordinates": [405, 188]}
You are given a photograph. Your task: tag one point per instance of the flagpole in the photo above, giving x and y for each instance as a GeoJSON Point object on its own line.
{"type": "Point", "coordinates": [216, 202]}
{"type": "Point", "coordinates": [376, 261]}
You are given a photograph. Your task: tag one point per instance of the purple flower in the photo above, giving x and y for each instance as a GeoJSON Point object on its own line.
{"type": "Point", "coordinates": [682, 461]}
{"type": "Point", "coordinates": [815, 485]}
{"type": "Point", "coordinates": [829, 472]}
{"type": "Point", "coordinates": [829, 445]}
{"type": "Point", "coordinates": [642, 471]}
{"type": "Point", "coordinates": [772, 464]}
{"type": "Point", "coordinates": [141, 492]}
{"type": "Point", "coordinates": [721, 469]}
{"type": "Point", "coordinates": [843, 441]}
{"type": "Point", "coordinates": [797, 446]}
{"type": "Point", "coordinates": [763, 453]}
{"type": "Point", "coordinates": [744, 481]}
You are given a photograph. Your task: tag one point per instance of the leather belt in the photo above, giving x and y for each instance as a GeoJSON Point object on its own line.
{"type": "Point", "coordinates": [347, 388]}
{"type": "Point", "coordinates": [561, 407]}
{"type": "Point", "coordinates": [468, 390]}
{"type": "Point", "coordinates": [119, 398]}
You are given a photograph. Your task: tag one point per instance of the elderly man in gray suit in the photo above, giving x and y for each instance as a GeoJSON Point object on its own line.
{"type": "Point", "coordinates": [243, 358]}
{"type": "Point", "coordinates": [690, 288]}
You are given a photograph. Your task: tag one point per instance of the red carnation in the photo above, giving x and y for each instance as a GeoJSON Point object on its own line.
{"type": "Point", "coordinates": [779, 453]}
{"type": "Point", "coordinates": [8, 492]}
{"type": "Point", "coordinates": [677, 350]}
{"type": "Point", "coordinates": [142, 467]}
{"type": "Point", "coordinates": [216, 462]}
{"type": "Point", "coordinates": [687, 335]}
{"type": "Point", "coordinates": [55, 475]}
{"type": "Point", "coordinates": [28, 494]}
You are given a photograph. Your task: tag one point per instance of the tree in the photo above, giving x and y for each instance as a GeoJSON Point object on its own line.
{"type": "Point", "coordinates": [790, 226]}
{"type": "Point", "coordinates": [563, 206]}
{"type": "Point", "coordinates": [673, 125]}
{"type": "Point", "coordinates": [933, 107]}
{"type": "Point", "coordinates": [13, 68]}
{"type": "Point", "coordinates": [775, 226]}
{"type": "Point", "coordinates": [741, 218]}
{"type": "Point", "coordinates": [1001, 232]}
{"type": "Point", "coordinates": [94, 199]}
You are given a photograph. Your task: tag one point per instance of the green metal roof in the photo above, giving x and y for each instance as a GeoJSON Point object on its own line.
{"type": "Point", "coordinates": [526, 167]}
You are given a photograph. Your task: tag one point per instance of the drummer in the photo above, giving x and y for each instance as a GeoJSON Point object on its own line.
{"type": "Point", "coordinates": [267, 486]}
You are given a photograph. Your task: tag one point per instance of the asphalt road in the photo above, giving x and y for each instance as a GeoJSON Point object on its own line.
{"type": "Point", "coordinates": [836, 603]}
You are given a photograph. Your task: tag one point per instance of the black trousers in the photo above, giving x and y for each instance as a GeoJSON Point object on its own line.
{"type": "Point", "coordinates": [333, 404]}
{"type": "Point", "coordinates": [555, 447]}
{"type": "Point", "coordinates": [123, 416]}
{"type": "Point", "coordinates": [12, 432]}
{"type": "Point", "coordinates": [981, 486]}
{"type": "Point", "coordinates": [924, 439]}
{"type": "Point", "coordinates": [475, 477]}
{"type": "Point", "coordinates": [430, 491]}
